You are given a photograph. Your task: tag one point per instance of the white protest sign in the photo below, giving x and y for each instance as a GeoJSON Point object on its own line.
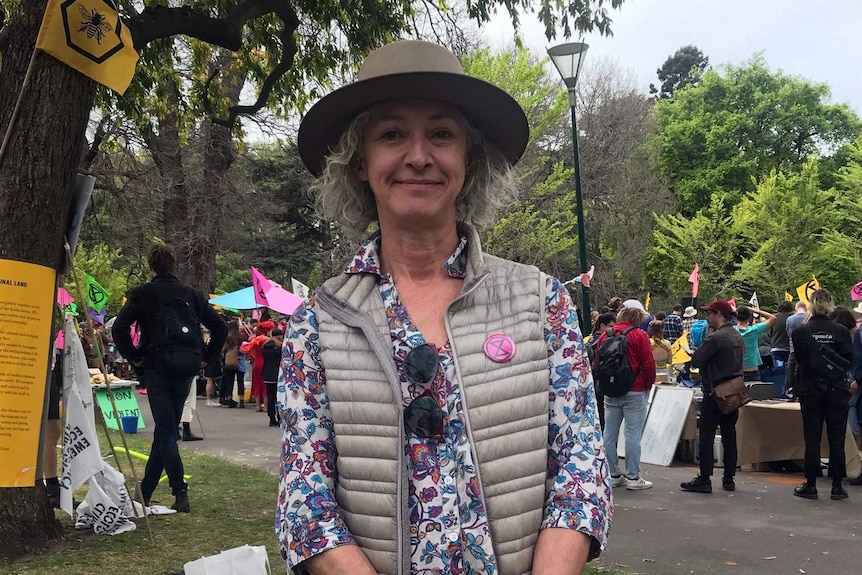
{"type": "Point", "coordinates": [81, 455]}
{"type": "Point", "coordinates": [300, 288]}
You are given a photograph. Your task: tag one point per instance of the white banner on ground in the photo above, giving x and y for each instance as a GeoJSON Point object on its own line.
{"type": "Point", "coordinates": [300, 288]}
{"type": "Point", "coordinates": [107, 507]}
{"type": "Point", "coordinates": [81, 455]}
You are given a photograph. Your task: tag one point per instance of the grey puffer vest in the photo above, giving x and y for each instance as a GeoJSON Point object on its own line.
{"type": "Point", "coordinates": [506, 406]}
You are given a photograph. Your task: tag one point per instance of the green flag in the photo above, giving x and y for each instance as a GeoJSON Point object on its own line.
{"type": "Point", "coordinates": [72, 308]}
{"type": "Point", "coordinates": [97, 296]}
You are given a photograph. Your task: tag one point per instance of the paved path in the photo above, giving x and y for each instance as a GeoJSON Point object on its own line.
{"type": "Point", "coordinates": [760, 529]}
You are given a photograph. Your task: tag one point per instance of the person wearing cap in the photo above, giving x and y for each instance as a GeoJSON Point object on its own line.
{"type": "Point", "coordinates": [719, 359]}
{"type": "Point", "coordinates": [270, 354]}
{"type": "Point", "coordinates": [436, 403]}
{"type": "Point", "coordinates": [750, 333]}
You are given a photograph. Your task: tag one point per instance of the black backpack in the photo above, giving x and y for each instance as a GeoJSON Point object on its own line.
{"type": "Point", "coordinates": [178, 345]}
{"type": "Point", "coordinates": [613, 373]}
{"type": "Point", "coordinates": [826, 363]}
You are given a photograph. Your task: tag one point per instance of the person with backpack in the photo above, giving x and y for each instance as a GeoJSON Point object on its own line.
{"type": "Point", "coordinates": [719, 359]}
{"type": "Point", "coordinates": [170, 355]}
{"type": "Point", "coordinates": [602, 322]}
{"type": "Point", "coordinates": [823, 350]}
{"type": "Point", "coordinates": [624, 372]}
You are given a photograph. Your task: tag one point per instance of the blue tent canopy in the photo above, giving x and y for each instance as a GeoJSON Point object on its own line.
{"type": "Point", "coordinates": [240, 299]}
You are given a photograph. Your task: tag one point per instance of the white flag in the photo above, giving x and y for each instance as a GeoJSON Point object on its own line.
{"type": "Point", "coordinates": [107, 507]}
{"type": "Point", "coordinates": [81, 455]}
{"type": "Point", "coordinates": [300, 288]}
{"type": "Point", "coordinates": [753, 301]}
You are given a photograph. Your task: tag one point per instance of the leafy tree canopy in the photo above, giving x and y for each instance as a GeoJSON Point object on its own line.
{"type": "Point", "coordinates": [684, 68]}
{"type": "Point", "coordinates": [737, 125]}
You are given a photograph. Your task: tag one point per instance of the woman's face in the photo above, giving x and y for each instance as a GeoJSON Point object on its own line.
{"type": "Point", "coordinates": [415, 161]}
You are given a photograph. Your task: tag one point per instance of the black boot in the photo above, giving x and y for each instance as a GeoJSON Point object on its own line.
{"type": "Point", "coordinates": [52, 484]}
{"type": "Point", "coordinates": [181, 503]}
{"type": "Point", "coordinates": [188, 435]}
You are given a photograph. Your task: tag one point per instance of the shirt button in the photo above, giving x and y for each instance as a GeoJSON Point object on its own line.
{"type": "Point", "coordinates": [452, 537]}
{"type": "Point", "coordinates": [448, 480]}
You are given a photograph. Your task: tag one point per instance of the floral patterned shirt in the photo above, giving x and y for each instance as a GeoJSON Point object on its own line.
{"type": "Point", "coordinates": [449, 531]}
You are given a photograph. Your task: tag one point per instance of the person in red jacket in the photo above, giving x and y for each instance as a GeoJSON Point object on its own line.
{"type": "Point", "coordinates": [631, 407]}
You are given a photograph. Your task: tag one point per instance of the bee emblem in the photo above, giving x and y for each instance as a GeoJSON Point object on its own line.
{"type": "Point", "coordinates": [93, 24]}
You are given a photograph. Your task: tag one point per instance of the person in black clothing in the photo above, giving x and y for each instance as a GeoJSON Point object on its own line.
{"type": "Point", "coordinates": [719, 359]}
{"type": "Point", "coordinates": [818, 344]}
{"type": "Point", "coordinates": [167, 391]}
{"type": "Point", "coordinates": [779, 339]}
{"type": "Point", "coordinates": [271, 352]}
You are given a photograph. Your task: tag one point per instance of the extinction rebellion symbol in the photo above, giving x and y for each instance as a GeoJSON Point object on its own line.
{"type": "Point", "coordinates": [84, 21]}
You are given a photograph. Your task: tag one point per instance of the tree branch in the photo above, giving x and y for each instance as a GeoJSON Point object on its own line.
{"type": "Point", "coordinates": [156, 22]}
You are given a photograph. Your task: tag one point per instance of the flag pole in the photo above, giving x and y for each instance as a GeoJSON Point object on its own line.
{"type": "Point", "coordinates": [101, 362]}
{"type": "Point", "coordinates": [17, 108]}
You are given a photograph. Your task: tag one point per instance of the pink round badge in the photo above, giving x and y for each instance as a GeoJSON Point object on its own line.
{"type": "Point", "coordinates": [499, 347]}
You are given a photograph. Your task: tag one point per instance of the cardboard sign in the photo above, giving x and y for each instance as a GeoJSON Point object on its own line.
{"type": "Point", "coordinates": [26, 306]}
{"type": "Point", "coordinates": [127, 404]}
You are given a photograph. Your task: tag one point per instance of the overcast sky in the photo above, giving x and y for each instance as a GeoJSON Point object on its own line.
{"type": "Point", "coordinates": [819, 41]}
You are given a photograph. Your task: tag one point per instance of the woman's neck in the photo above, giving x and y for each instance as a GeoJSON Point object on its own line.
{"type": "Point", "coordinates": [416, 254]}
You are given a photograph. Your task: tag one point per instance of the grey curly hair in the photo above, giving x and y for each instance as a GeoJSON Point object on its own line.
{"type": "Point", "coordinates": [490, 182]}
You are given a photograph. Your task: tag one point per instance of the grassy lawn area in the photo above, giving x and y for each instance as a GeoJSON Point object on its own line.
{"type": "Point", "coordinates": [231, 505]}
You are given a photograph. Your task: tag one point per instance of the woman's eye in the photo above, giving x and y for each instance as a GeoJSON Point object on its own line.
{"type": "Point", "coordinates": [443, 133]}
{"type": "Point", "coordinates": [389, 135]}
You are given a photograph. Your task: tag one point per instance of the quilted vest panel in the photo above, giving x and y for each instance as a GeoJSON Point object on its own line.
{"type": "Point", "coordinates": [506, 406]}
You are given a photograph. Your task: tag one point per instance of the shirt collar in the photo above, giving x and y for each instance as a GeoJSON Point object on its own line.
{"type": "Point", "coordinates": [367, 259]}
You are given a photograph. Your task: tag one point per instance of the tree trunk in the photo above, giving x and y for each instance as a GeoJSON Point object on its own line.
{"type": "Point", "coordinates": [208, 212]}
{"type": "Point", "coordinates": [36, 177]}
{"type": "Point", "coordinates": [167, 153]}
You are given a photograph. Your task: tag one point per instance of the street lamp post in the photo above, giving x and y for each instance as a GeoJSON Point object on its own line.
{"type": "Point", "coordinates": [568, 59]}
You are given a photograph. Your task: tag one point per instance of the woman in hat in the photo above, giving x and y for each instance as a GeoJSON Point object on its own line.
{"type": "Point", "coordinates": [414, 390]}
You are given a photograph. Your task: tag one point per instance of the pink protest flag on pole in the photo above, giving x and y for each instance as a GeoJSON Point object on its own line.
{"type": "Point", "coordinates": [261, 286]}
{"type": "Point", "coordinates": [694, 278]}
{"type": "Point", "coordinates": [64, 298]}
{"type": "Point", "coordinates": [856, 292]}
{"type": "Point", "coordinates": [587, 277]}
{"type": "Point", "coordinates": [273, 296]}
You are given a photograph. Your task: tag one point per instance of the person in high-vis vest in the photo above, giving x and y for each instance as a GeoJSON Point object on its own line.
{"type": "Point", "coordinates": [436, 403]}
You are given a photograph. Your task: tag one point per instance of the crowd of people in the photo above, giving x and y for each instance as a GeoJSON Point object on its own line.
{"type": "Point", "coordinates": [817, 346]}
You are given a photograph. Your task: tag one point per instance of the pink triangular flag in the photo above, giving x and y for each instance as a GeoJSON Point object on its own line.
{"type": "Point", "coordinates": [63, 297]}
{"type": "Point", "coordinates": [856, 292]}
{"type": "Point", "coordinates": [694, 278]}
{"type": "Point", "coordinates": [261, 286]}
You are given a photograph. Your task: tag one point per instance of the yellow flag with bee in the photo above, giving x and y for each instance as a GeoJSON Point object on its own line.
{"type": "Point", "coordinates": [90, 36]}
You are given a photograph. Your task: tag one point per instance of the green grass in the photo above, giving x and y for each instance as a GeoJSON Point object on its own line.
{"type": "Point", "coordinates": [231, 505]}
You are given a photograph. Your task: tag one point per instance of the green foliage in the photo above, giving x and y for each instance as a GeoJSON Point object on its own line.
{"type": "Point", "coordinates": [287, 240]}
{"type": "Point", "coordinates": [735, 127]}
{"type": "Point", "coordinates": [779, 235]}
{"type": "Point", "coordinates": [680, 242]}
{"type": "Point", "coordinates": [541, 228]}
{"type": "Point", "coordinates": [107, 267]}
{"type": "Point", "coordinates": [544, 237]}
{"type": "Point", "coordinates": [684, 68]}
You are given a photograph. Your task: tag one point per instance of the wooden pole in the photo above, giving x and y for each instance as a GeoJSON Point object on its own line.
{"type": "Point", "coordinates": [100, 360]}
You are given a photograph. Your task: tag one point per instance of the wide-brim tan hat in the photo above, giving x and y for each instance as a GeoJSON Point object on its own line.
{"type": "Point", "coordinates": [689, 312]}
{"type": "Point", "coordinates": [412, 69]}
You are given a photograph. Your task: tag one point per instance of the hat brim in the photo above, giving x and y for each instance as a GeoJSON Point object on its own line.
{"type": "Point", "coordinates": [488, 108]}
